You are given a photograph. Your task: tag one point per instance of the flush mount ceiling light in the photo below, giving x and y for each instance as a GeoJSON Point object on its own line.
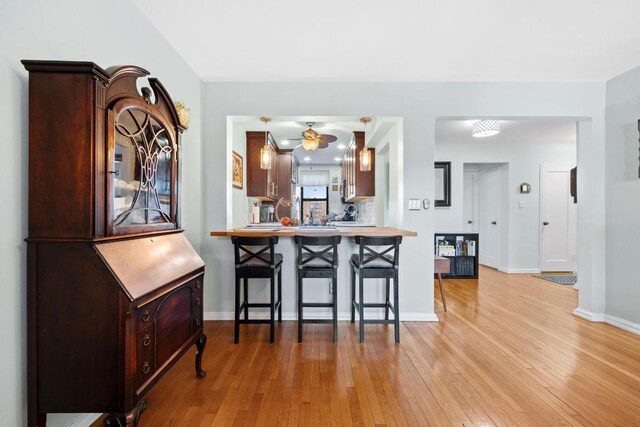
{"type": "Point", "coordinates": [483, 128]}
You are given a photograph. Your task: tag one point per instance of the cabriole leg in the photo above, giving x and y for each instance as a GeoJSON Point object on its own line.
{"type": "Point", "coordinates": [201, 343]}
{"type": "Point", "coordinates": [129, 419]}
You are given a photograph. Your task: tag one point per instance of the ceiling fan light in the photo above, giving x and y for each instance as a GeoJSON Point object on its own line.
{"type": "Point", "coordinates": [310, 144]}
{"type": "Point", "coordinates": [484, 128]}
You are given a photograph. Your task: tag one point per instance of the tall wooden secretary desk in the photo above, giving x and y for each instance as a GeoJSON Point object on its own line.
{"type": "Point", "coordinates": [114, 293]}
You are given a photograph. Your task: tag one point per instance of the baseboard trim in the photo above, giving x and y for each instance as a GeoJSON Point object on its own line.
{"type": "Point", "coordinates": [587, 315]}
{"type": "Point", "coordinates": [83, 420]}
{"type": "Point", "coordinates": [622, 323]}
{"type": "Point", "coordinates": [405, 317]}
{"type": "Point", "coordinates": [521, 270]}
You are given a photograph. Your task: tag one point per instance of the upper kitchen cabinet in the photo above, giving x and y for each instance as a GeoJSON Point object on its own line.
{"type": "Point", "coordinates": [358, 185]}
{"type": "Point", "coordinates": [262, 184]}
{"type": "Point", "coordinates": [285, 174]}
{"type": "Point", "coordinates": [103, 157]}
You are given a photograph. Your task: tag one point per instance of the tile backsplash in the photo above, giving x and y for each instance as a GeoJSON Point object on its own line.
{"type": "Point", "coordinates": [366, 212]}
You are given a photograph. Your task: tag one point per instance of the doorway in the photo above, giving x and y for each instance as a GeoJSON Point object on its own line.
{"type": "Point", "coordinates": [558, 220]}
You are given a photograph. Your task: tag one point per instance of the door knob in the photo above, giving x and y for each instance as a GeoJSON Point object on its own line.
{"type": "Point", "coordinates": [545, 223]}
{"type": "Point", "coordinates": [469, 222]}
{"type": "Point", "coordinates": [493, 222]}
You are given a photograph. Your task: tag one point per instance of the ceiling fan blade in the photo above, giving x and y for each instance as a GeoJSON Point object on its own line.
{"type": "Point", "coordinates": [323, 144]}
{"type": "Point", "coordinates": [327, 138]}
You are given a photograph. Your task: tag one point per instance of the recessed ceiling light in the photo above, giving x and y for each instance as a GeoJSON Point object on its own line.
{"type": "Point", "coordinates": [284, 142]}
{"type": "Point", "coordinates": [342, 146]}
{"type": "Point", "coordinates": [307, 159]}
{"type": "Point", "coordinates": [337, 159]}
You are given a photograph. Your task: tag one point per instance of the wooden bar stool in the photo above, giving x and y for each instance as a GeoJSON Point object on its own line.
{"type": "Point", "coordinates": [378, 258]}
{"type": "Point", "coordinates": [261, 263]}
{"type": "Point", "coordinates": [319, 263]}
{"type": "Point", "coordinates": [441, 265]}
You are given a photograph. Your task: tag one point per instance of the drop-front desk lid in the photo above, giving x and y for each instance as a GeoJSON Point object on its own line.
{"type": "Point", "coordinates": [144, 264]}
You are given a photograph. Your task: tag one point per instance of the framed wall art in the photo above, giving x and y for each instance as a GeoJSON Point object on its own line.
{"type": "Point", "coordinates": [237, 171]}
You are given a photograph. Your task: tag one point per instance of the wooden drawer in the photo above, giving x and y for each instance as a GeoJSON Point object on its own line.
{"type": "Point", "coordinates": [145, 351]}
{"type": "Point", "coordinates": [145, 315]}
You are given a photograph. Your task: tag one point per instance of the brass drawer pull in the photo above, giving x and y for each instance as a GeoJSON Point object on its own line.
{"type": "Point", "coordinates": [145, 316]}
{"type": "Point", "coordinates": [197, 300]}
{"type": "Point", "coordinates": [146, 340]}
{"type": "Point", "coordinates": [146, 368]}
{"type": "Point", "coordinates": [198, 285]}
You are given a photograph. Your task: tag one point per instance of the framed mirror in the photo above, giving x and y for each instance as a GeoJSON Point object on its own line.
{"type": "Point", "coordinates": [442, 192]}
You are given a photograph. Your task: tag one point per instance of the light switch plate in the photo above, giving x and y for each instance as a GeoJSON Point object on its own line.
{"type": "Point", "coordinates": [414, 204]}
{"type": "Point", "coordinates": [521, 204]}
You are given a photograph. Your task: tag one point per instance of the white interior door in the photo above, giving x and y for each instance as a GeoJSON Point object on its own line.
{"type": "Point", "coordinates": [558, 220]}
{"type": "Point", "coordinates": [468, 203]}
{"type": "Point", "coordinates": [489, 217]}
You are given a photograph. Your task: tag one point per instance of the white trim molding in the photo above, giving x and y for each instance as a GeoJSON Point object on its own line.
{"type": "Point", "coordinates": [521, 271]}
{"type": "Point", "coordinates": [622, 323]}
{"type": "Point", "coordinates": [404, 317]}
{"type": "Point", "coordinates": [587, 315]}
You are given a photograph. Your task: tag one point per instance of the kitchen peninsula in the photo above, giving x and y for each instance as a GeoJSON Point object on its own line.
{"type": "Point", "coordinates": [315, 231]}
{"type": "Point", "coordinates": [320, 291]}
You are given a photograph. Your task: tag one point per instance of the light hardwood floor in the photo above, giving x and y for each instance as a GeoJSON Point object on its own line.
{"type": "Point", "coordinates": [508, 352]}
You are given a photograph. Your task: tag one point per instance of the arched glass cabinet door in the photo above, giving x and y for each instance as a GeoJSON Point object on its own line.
{"type": "Point", "coordinates": [143, 171]}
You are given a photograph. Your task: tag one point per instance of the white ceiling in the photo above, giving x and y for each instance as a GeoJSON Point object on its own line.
{"type": "Point", "coordinates": [521, 131]}
{"type": "Point", "coordinates": [409, 40]}
{"type": "Point", "coordinates": [291, 128]}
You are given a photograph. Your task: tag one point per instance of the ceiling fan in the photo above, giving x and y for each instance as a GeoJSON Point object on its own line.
{"type": "Point", "coordinates": [311, 140]}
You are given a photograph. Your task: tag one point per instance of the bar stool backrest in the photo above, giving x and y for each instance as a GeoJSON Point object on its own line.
{"type": "Point", "coordinates": [379, 251]}
{"type": "Point", "coordinates": [247, 255]}
{"type": "Point", "coordinates": [326, 257]}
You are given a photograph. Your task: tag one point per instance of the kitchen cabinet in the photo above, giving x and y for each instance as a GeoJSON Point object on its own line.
{"type": "Point", "coordinates": [285, 166]}
{"type": "Point", "coordinates": [262, 184]}
{"type": "Point", "coordinates": [114, 289]}
{"type": "Point", "coordinates": [357, 185]}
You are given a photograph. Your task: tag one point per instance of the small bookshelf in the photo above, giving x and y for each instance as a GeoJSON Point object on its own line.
{"type": "Point", "coordinates": [462, 251]}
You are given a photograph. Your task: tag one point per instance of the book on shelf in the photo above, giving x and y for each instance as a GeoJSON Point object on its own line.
{"type": "Point", "coordinates": [446, 250]}
{"type": "Point", "coordinates": [471, 247]}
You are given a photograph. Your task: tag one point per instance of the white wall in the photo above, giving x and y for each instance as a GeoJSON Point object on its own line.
{"type": "Point", "coordinates": [418, 104]}
{"type": "Point", "coordinates": [623, 196]}
{"type": "Point", "coordinates": [524, 161]}
{"type": "Point", "coordinates": [111, 34]}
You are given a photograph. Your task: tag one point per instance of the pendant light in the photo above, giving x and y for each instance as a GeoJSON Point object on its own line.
{"type": "Point", "coordinates": [484, 128]}
{"type": "Point", "coordinates": [365, 153]}
{"type": "Point", "coordinates": [265, 151]}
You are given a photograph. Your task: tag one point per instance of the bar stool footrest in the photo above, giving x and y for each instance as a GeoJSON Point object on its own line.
{"type": "Point", "coordinates": [255, 321]}
{"type": "Point", "coordinates": [318, 304]}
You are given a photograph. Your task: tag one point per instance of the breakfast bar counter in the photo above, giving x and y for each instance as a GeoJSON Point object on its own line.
{"type": "Point", "coordinates": [313, 231]}
{"type": "Point", "coordinates": [318, 292]}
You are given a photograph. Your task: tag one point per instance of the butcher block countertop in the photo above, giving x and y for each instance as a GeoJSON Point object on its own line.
{"type": "Point", "coordinates": [306, 231]}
